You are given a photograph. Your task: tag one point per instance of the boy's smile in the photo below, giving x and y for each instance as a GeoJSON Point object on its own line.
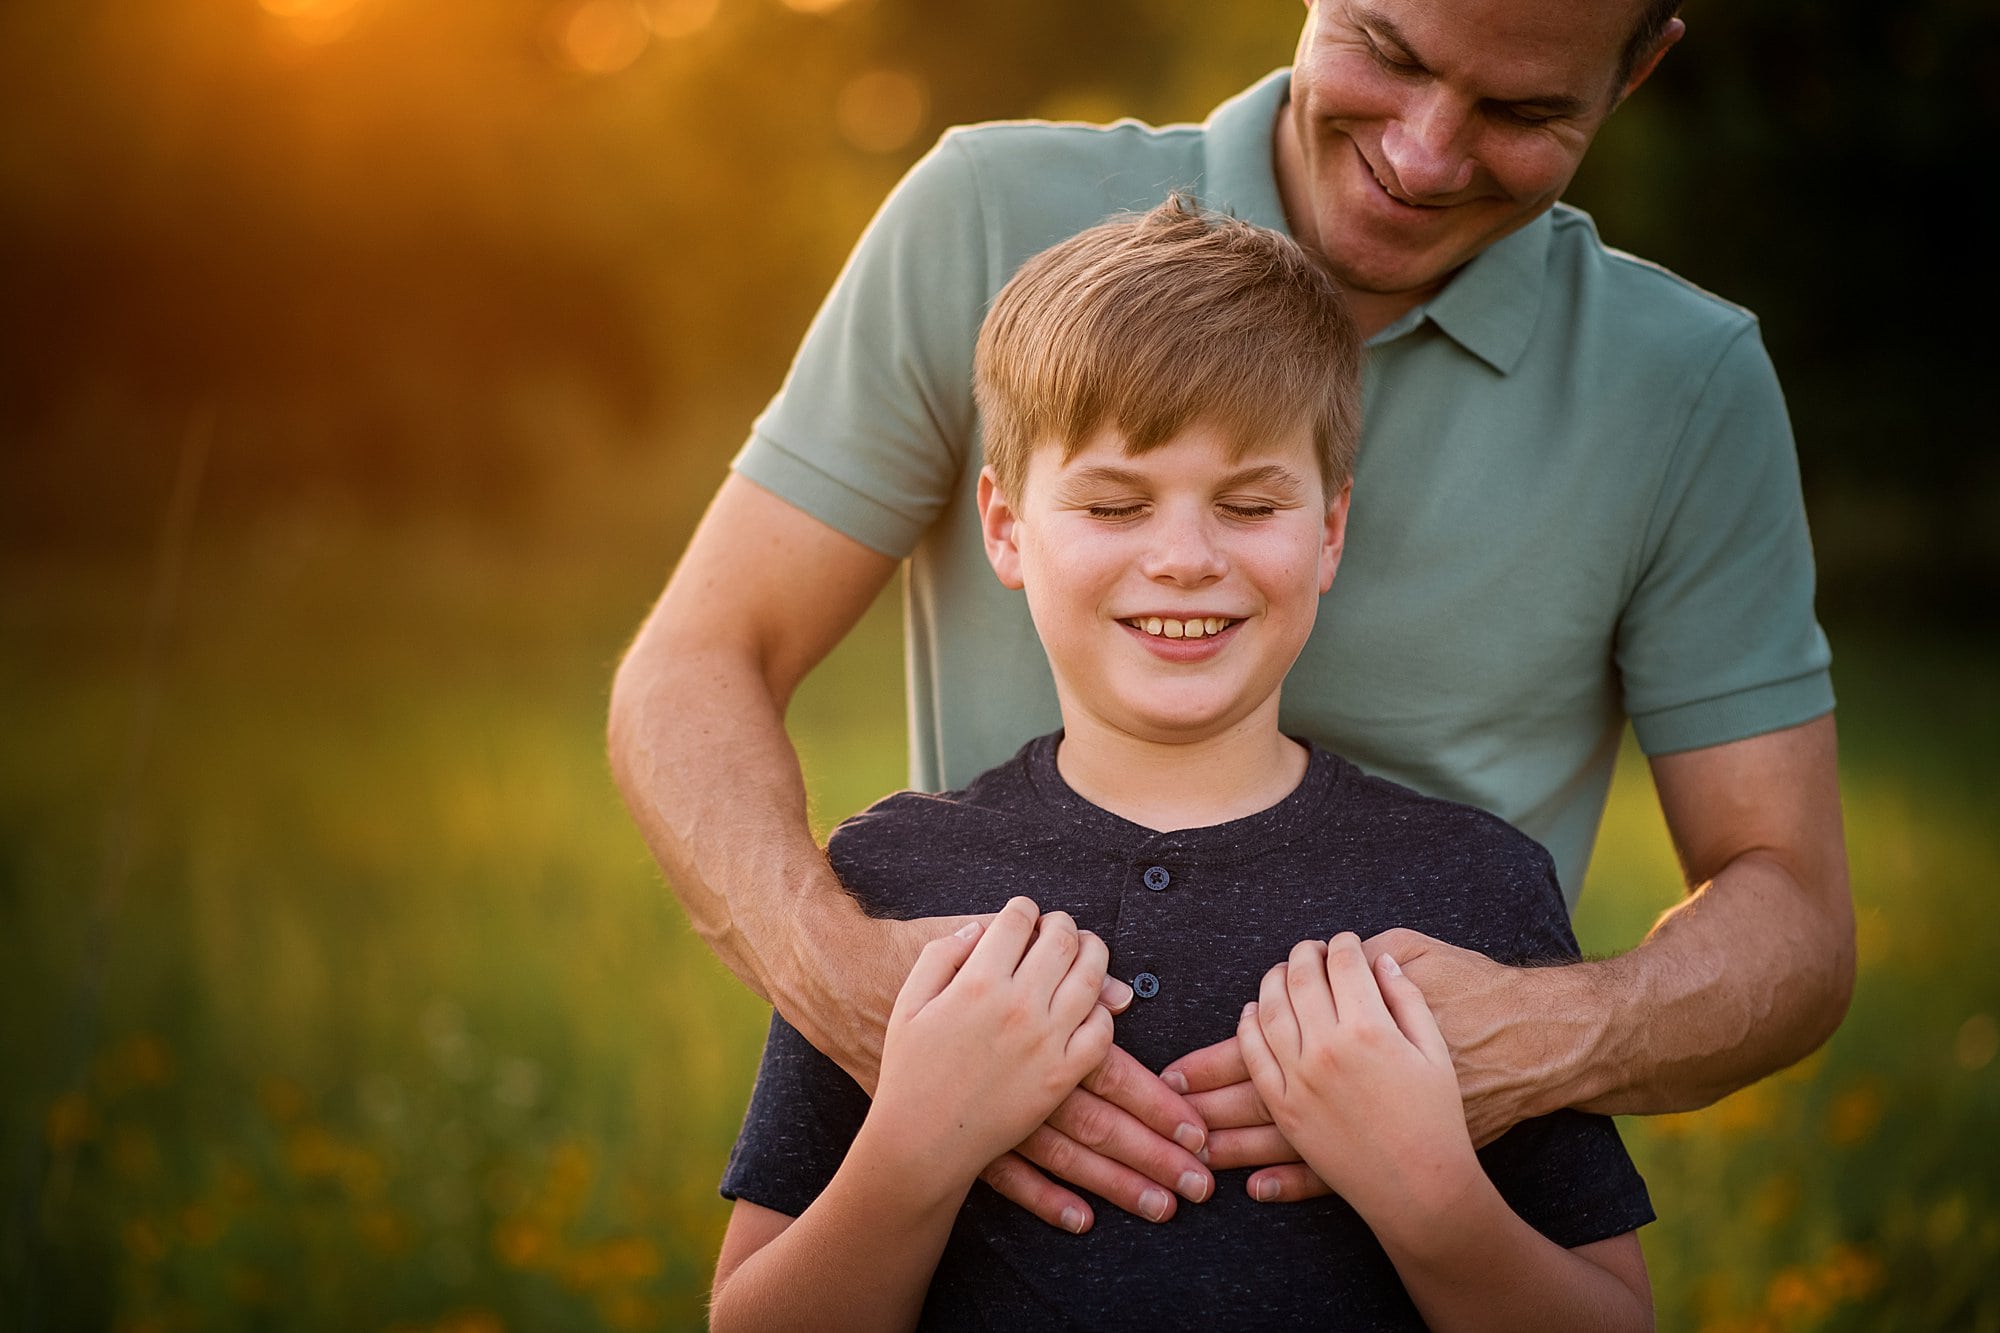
{"type": "Point", "coordinates": [1171, 589]}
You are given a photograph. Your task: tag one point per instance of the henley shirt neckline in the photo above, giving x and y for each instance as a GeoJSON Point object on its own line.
{"type": "Point", "coordinates": [1490, 307]}
{"type": "Point", "coordinates": [1079, 820]}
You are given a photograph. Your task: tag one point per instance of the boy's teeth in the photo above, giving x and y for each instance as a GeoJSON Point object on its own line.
{"type": "Point", "coordinates": [1182, 629]}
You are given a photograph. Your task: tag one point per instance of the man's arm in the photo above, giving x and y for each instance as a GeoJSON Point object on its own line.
{"type": "Point", "coordinates": [1749, 973]}
{"type": "Point", "coordinates": [699, 749]}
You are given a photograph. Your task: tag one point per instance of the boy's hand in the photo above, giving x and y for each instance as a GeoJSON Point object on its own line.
{"type": "Point", "coordinates": [1357, 1077]}
{"type": "Point", "coordinates": [992, 1029]}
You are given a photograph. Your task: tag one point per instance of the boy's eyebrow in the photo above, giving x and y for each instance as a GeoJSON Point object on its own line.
{"type": "Point", "coordinates": [1263, 474]}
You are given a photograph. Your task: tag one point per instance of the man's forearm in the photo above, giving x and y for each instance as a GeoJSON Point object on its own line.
{"type": "Point", "coordinates": [1749, 974]}
{"type": "Point", "coordinates": [1754, 969]}
{"type": "Point", "coordinates": [700, 752]}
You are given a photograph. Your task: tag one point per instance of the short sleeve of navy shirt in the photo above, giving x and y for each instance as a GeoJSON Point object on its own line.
{"type": "Point", "coordinates": [1193, 919]}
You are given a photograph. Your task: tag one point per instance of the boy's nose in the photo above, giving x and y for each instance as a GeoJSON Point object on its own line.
{"type": "Point", "coordinates": [1186, 554]}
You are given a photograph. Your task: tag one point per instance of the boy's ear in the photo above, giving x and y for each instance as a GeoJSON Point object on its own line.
{"type": "Point", "coordinates": [998, 524]}
{"type": "Point", "coordinates": [1335, 537]}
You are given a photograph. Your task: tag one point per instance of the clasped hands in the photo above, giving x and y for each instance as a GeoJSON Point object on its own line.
{"type": "Point", "coordinates": [1144, 1142]}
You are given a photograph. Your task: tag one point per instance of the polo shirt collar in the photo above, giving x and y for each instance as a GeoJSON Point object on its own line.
{"type": "Point", "coordinates": [1490, 308]}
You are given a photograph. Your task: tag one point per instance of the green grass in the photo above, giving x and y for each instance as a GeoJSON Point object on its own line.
{"type": "Point", "coordinates": [388, 1022]}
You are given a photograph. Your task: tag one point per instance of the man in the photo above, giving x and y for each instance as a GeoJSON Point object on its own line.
{"type": "Point", "coordinates": [1577, 503]}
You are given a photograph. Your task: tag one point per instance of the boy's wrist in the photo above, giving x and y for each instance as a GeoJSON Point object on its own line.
{"type": "Point", "coordinates": [909, 1165]}
{"type": "Point", "coordinates": [1434, 1212]}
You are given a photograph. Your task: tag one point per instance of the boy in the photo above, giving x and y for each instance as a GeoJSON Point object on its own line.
{"type": "Point", "coordinates": [1170, 405]}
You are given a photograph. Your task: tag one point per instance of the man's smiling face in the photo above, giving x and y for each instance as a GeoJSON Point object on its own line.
{"type": "Point", "coordinates": [1422, 131]}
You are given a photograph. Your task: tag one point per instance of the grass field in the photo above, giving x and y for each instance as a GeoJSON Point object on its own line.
{"type": "Point", "coordinates": [342, 995]}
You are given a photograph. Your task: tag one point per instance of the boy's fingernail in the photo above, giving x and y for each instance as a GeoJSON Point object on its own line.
{"type": "Point", "coordinates": [968, 930]}
{"type": "Point", "coordinates": [1193, 1186]}
{"type": "Point", "coordinates": [1201, 1155]}
{"type": "Point", "coordinates": [1264, 1191]}
{"type": "Point", "coordinates": [1391, 966]}
{"type": "Point", "coordinates": [1249, 1008]}
{"type": "Point", "coordinates": [1153, 1203]}
{"type": "Point", "coordinates": [1176, 1080]}
{"type": "Point", "coordinates": [1072, 1221]}
{"type": "Point", "coordinates": [1190, 1137]}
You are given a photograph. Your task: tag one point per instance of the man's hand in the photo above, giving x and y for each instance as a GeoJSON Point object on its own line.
{"type": "Point", "coordinates": [1509, 1028]}
{"type": "Point", "coordinates": [1123, 1135]}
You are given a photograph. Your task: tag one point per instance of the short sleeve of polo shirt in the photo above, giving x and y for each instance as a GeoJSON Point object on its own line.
{"type": "Point", "coordinates": [1718, 640]}
{"type": "Point", "coordinates": [870, 429]}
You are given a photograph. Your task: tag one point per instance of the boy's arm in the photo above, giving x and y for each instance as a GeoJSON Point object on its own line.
{"type": "Point", "coordinates": [1357, 1076]}
{"type": "Point", "coordinates": [993, 1027]}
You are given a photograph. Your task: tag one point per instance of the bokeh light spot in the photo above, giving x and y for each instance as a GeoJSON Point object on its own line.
{"type": "Point", "coordinates": [672, 19]}
{"type": "Point", "coordinates": [814, 6]}
{"type": "Point", "coordinates": [601, 36]}
{"type": "Point", "coordinates": [882, 110]}
{"type": "Point", "coordinates": [315, 22]}
{"type": "Point", "coordinates": [1978, 1042]}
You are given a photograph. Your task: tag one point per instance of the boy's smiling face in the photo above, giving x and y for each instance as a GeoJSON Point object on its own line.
{"type": "Point", "coordinates": [1171, 589]}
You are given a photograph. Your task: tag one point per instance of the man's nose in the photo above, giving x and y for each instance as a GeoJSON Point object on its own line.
{"type": "Point", "coordinates": [1427, 148]}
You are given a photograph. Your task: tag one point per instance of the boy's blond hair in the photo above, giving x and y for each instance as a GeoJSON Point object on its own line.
{"type": "Point", "coordinates": [1155, 322]}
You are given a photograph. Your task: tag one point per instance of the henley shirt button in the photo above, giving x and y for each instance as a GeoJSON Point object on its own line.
{"type": "Point", "coordinates": [1145, 985]}
{"type": "Point", "coordinates": [1157, 878]}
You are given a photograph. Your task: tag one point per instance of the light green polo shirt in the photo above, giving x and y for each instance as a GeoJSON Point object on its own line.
{"type": "Point", "coordinates": [1577, 499]}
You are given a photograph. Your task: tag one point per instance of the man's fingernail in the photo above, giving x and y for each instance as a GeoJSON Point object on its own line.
{"type": "Point", "coordinates": [1264, 1191]}
{"type": "Point", "coordinates": [1194, 1186]}
{"type": "Point", "coordinates": [1190, 1137]}
{"type": "Point", "coordinates": [1072, 1221]}
{"type": "Point", "coordinates": [968, 930]}
{"type": "Point", "coordinates": [1201, 1155]}
{"type": "Point", "coordinates": [1153, 1203]}
{"type": "Point", "coordinates": [1176, 1080]}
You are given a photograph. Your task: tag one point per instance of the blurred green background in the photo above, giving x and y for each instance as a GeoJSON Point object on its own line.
{"type": "Point", "coordinates": [364, 365]}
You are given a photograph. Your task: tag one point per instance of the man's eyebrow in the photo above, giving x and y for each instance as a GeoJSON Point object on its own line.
{"type": "Point", "coordinates": [1556, 104]}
